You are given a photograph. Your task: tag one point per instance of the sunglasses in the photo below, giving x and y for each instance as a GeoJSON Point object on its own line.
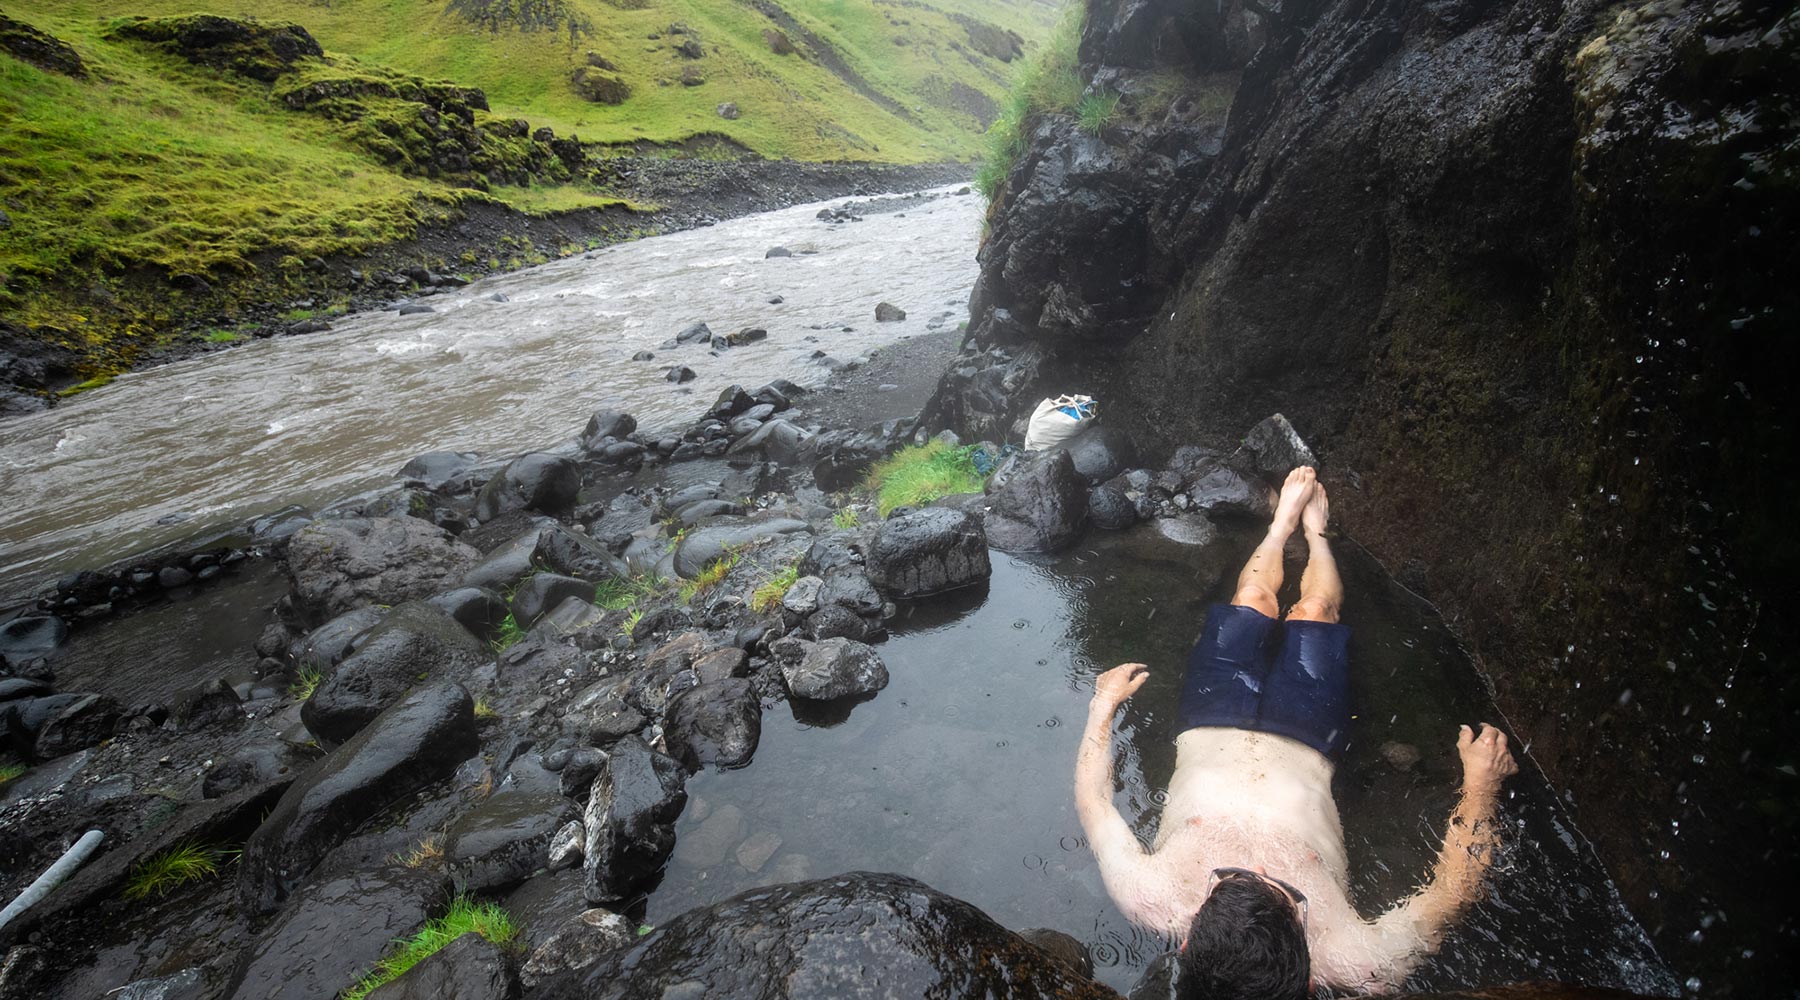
{"type": "Point", "coordinates": [1294, 895]}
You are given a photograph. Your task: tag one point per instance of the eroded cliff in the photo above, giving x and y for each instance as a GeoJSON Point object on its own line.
{"type": "Point", "coordinates": [1521, 271]}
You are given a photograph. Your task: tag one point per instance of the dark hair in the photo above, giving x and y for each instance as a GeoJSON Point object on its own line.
{"type": "Point", "coordinates": [1246, 943]}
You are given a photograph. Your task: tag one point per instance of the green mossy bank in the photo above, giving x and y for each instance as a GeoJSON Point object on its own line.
{"type": "Point", "coordinates": [167, 173]}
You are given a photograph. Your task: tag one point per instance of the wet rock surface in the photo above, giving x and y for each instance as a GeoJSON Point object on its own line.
{"type": "Point", "coordinates": [415, 641]}
{"type": "Point", "coordinates": [856, 935]}
{"type": "Point", "coordinates": [419, 740]}
{"type": "Point", "coordinates": [833, 667]}
{"type": "Point", "coordinates": [1040, 508]}
{"type": "Point", "coordinates": [468, 968]}
{"type": "Point", "coordinates": [631, 810]}
{"type": "Point", "coordinates": [927, 552]}
{"type": "Point", "coordinates": [341, 565]}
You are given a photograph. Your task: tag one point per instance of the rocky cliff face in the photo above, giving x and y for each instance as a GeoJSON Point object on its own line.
{"type": "Point", "coordinates": [1521, 272]}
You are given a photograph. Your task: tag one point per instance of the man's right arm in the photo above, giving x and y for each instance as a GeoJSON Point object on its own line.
{"type": "Point", "coordinates": [1109, 837]}
{"type": "Point", "coordinates": [1405, 935]}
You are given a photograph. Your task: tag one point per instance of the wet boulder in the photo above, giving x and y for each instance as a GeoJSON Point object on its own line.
{"type": "Point", "coordinates": [718, 723]}
{"type": "Point", "coordinates": [859, 934]}
{"type": "Point", "coordinates": [443, 471]}
{"type": "Point", "coordinates": [720, 664]}
{"type": "Point", "coordinates": [680, 374]}
{"type": "Point", "coordinates": [699, 333]}
{"type": "Point", "coordinates": [468, 968]}
{"type": "Point", "coordinates": [778, 440]}
{"type": "Point", "coordinates": [333, 930]}
{"type": "Point", "coordinates": [705, 545]}
{"type": "Point", "coordinates": [416, 640]}
{"type": "Point", "coordinates": [887, 312]}
{"type": "Point", "coordinates": [77, 725]}
{"type": "Point", "coordinates": [328, 645]}
{"type": "Point", "coordinates": [605, 424]}
{"type": "Point", "coordinates": [537, 482]}
{"type": "Point", "coordinates": [1278, 447]}
{"type": "Point", "coordinates": [573, 554]}
{"type": "Point", "coordinates": [420, 740]}
{"type": "Point", "coordinates": [835, 622]}
{"type": "Point", "coordinates": [544, 591]}
{"type": "Point", "coordinates": [477, 609]}
{"type": "Point", "coordinates": [630, 819]}
{"type": "Point", "coordinates": [1223, 492]}
{"type": "Point", "coordinates": [1110, 509]}
{"type": "Point", "coordinates": [258, 765]}
{"type": "Point", "coordinates": [30, 637]}
{"type": "Point", "coordinates": [1099, 452]}
{"type": "Point", "coordinates": [346, 563]}
{"type": "Point", "coordinates": [1041, 506]}
{"type": "Point", "coordinates": [214, 702]}
{"type": "Point", "coordinates": [927, 552]}
{"type": "Point", "coordinates": [831, 668]}
{"type": "Point", "coordinates": [12, 688]}
{"type": "Point", "coordinates": [508, 563]}
{"type": "Point", "coordinates": [500, 842]}
{"type": "Point", "coordinates": [581, 941]}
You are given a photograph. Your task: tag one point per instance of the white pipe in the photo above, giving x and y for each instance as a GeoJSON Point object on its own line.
{"type": "Point", "coordinates": [53, 876]}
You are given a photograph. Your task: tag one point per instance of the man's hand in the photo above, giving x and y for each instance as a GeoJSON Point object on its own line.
{"type": "Point", "coordinates": [1121, 682]}
{"type": "Point", "coordinates": [1485, 759]}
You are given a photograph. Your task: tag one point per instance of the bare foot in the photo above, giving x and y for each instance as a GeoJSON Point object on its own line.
{"type": "Point", "coordinates": [1317, 512]}
{"type": "Point", "coordinates": [1294, 494]}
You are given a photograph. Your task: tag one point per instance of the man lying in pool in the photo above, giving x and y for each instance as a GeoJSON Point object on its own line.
{"type": "Point", "coordinates": [1249, 870]}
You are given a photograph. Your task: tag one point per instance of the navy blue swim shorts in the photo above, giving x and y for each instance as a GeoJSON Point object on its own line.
{"type": "Point", "coordinates": [1250, 671]}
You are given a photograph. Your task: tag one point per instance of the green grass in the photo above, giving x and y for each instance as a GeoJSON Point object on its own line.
{"type": "Point", "coordinates": [11, 770]}
{"type": "Point", "coordinates": [306, 680]}
{"type": "Point", "coordinates": [159, 874]}
{"type": "Point", "coordinates": [631, 623]}
{"type": "Point", "coordinates": [1047, 83]}
{"type": "Point", "coordinates": [485, 709]}
{"type": "Point", "coordinates": [919, 475]}
{"type": "Point", "coordinates": [1095, 111]}
{"type": "Point", "coordinates": [708, 578]}
{"type": "Point", "coordinates": [619, 595]}
{"type": "Point", "coordinates": [846, 519]}
{"type": "Point", "coordinates": [465, 916]}
{"type": "Point", "coordinates": [222, 336]}
{"type": "Point", "coordinates": [768, 596]}
{"type": "Point", "coordinates": [507, 634]}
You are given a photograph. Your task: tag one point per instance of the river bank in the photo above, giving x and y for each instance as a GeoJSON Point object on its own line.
{"type": "Point", "coordinates": [145, 318]}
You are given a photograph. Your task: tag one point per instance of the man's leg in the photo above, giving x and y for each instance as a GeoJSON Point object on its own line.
{"type": "Point", "coordinates": [1321, 591]}
{"type": "Point", "coordinates": [1261, 579]}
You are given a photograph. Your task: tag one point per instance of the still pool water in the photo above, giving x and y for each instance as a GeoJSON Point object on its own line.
{"type": "Point", "coordinates": [960, 773]}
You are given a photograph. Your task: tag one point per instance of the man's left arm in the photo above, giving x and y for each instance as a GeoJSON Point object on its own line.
{"type": "Point", "coordinates": [1401, 938]}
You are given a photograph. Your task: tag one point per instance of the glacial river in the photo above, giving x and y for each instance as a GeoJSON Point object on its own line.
{"type": "Point", "coordinates": [171, 451]}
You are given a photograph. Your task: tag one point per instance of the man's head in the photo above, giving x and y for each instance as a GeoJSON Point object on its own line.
{"type": "Point", "coordinates": [1247, 942]}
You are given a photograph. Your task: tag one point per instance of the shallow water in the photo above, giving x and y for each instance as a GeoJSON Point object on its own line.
{"type": "Point", "coordinates": [163, 453]}
{"type": "Point", "coordinates": [961, 772]}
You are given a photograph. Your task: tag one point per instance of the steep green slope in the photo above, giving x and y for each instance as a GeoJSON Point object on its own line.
{"type": "Point", "coordinates": [178, 147]}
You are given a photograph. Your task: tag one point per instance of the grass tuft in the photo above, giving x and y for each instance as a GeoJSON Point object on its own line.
{"type": "Point", "coordinates": [465, 915]}
{"type": "Point", "coordinates": [429, 852]}
{"type": "Point", "coordinates": [846, 519]}
{"type": "Point", "coordinates": [1047, 83]}
{"type": "Point", "coordinates": [507, 634]}
{"type": "Point", "coordinates": [769, 595]}
{"type": "Point", "coordinates": [708, 578]}
{"type": "Point", "coordinates": [914, 476]}
{"type": "Point", "coordinates": [307, 680]}
{"type": "Point", "coordinates": [158, 874]}
{"type": "Point", "coordinates": [618, 595]}
{"type": "Point", "coordinates": [11, 770]}
{"type": "Point", "coordinates": [631, 623]}
{"type": "Point", "coordinates": [485, 709]}
{"type": "Point", "coordinates": [1096, 111]}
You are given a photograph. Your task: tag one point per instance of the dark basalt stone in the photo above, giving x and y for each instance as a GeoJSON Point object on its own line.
{"type": "Point", "coordinates": [421, 739]}
{"type": "Point", "coordinates": [342, 564]}
{"type": "Point", "coordinates": [416, 640]}
{"type": "Point", "coordinates": [630, 819]}
{"type": "Point", "coordinates": [538, 482]}
{"type": "Point", "coordinates": [855, 935]}
{"type": "Point", "coordinates": [500, 842]}
{"type": "Point", "coordinates": [573, 554]}
{"type": "Point", "coordinates": [442, 471]}
{"type": "Point", "coordinates": [327, 646]}
{"type": "Point", "coordinates": [717, 723]}
{"type": "Point", "coordinates": [477, 609]}
{"type": "Point", "coordinates": [543, 592]}
{"type": "Point", "coordinates": [1040, 508]}
{"type": "Point", "coordinates": [927, 552]}
{"type": "Point", "coordinates": [468, 968]}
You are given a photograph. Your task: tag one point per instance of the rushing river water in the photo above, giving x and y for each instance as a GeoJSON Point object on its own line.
{"type": "Point", "coordinates": [163, 453]}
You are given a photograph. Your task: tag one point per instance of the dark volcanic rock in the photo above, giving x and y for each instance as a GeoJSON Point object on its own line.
{"type": "Point", "coordinates": [1223, 492]}
{"type": "Point", "coordinates": [333, 930]}
{"type": "Point", "coordinates": [538, 482]}
{"type": "Point", "coordinates": [80, 724]}
{"type": "Point", "coordinates": [258, 50]}
{"type": "Point", "coordinates": [543, 592]}
{"type": "Point", "coordinates": [704, 545]}
{"type": "Point", "coordinates": [327, 645]}
{"type": "Point", "coordinates": [1040, 508]}
{"type": "Point", "coordinates": [888, 313]}
{"type": "Point", "coordinates": [830, 668]}
{"type": "Point", "coordinates": [468, 968]}
{"type": "Point", "coordinates": [1109, 509]}
{"type": "Point", "coordinates": [47, 52]}
{"type": "Point", "coordinates": [1100, 452]}
{"type": "Point", "coordinates": [606, 424]}
{"type": "Point", "coordinates": [420, 740]}
{"type": "Point", "coordinates": [581, 941]}
{"type": "Point", "coordinates": [477, 609]}
{"type": "Point", "coordinates": [507, 564]}
{"type": "Point", "coordinates": [854, 935]}
{"type": "Point", "coordinates": [630, 819]}
{"type": "Point", "coordinates": [500, 842]}
{"type": "Point", "coordinates": [577, 555]}
{"type": "Point", "coordinates": [928, 551]}
{"type": "Point", "coordinates": [718, 723]}
{"type": "Point", "coordinates": [699, 333]}
{"type": "Point", "coordinates": [1278, 447]}
{"type": "Point", "coordinates": [30, 637]}
{"type": "Point", "coordinates": [416, 640]}
{"type": "Point", "coordinates": [342, 564]}
{"type": "Point", "coordinates": [442, 471]}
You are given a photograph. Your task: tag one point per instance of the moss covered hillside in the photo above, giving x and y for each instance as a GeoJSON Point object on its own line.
{"type": "Point", "coordinates": [252, 139]}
